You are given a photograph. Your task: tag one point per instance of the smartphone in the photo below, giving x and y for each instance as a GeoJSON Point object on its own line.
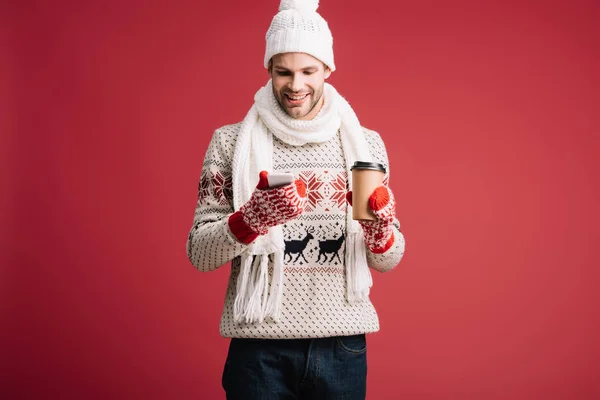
{"type": "Point", "coordinates": [277, 179]}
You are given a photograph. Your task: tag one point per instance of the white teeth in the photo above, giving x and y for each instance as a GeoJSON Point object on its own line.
{"type": "Point", "coordinates": [296, 97]}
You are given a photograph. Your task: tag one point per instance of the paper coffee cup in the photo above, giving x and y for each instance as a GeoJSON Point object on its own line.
{"type": "Point", "coordinates": [366, 177]}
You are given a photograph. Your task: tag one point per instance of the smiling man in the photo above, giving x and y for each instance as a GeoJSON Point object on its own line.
{"type": "Point", "coordinates": [297, 305]}
{"type": "Point", "coordinates": [298, 80]}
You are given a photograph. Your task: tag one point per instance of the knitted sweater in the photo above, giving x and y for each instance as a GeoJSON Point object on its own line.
{"type": "Point", "coordinates": [314, 294]}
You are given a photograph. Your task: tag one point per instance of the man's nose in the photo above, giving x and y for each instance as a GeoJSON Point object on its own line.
{"type": "Point", "coordinates": [297, 82]}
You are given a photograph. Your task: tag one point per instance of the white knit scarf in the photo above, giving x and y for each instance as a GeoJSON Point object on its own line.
{"type": "Point", "coordinates": [253, 153]}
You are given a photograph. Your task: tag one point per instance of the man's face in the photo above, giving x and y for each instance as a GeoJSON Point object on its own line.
{"type": "Point", "coordinates": [298, 81]}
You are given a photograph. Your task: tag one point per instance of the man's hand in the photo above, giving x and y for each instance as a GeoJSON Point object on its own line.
{"type": "Point", "coordinates": [266, 208]}
{"type": "Point", "coordinates": [379, 234]}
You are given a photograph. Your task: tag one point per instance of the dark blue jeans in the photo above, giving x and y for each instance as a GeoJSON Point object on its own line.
{"type": "Point", "coordinates": [326, 368]}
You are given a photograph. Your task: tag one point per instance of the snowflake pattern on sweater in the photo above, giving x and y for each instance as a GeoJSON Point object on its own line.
{"type": "Point", "coordinates": [314, 295]}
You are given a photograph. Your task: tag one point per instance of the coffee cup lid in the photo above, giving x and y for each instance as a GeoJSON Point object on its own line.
{"type": "Point", "coordinates": [368, 165]}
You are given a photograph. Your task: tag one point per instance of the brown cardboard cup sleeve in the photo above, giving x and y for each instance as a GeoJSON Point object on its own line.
{"type": "Point", "coordinates": [366, 177]}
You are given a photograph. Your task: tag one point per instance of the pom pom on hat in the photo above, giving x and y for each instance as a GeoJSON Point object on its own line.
{"type": "Point", "coordinates": [300, 5]}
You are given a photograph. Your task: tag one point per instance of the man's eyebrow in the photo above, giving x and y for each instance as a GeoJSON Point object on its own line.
{"type": "Point", "coordinates": [279, 67]}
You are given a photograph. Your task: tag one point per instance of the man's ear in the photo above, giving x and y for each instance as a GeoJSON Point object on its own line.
{"type": "Point", "coordinates": [327, 72]}
{"type": "Point", "coordinates": [270, 68]}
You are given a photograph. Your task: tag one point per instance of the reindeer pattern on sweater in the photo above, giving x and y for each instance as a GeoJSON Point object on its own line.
{"type": "Point", "coordinates": [314, 300]}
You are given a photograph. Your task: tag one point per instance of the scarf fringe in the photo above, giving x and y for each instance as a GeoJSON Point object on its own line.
{"type": "Point", "coordinates": [254, 301]}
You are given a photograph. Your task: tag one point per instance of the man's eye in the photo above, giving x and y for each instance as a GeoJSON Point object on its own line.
{"type": "Point", "coordinates": [283, 73]}
{"type": "Point", "coordinates": [309, 72]}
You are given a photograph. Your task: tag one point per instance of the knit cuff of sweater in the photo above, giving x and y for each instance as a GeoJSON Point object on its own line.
{"type": "Point", "coordinates": [242, 232]}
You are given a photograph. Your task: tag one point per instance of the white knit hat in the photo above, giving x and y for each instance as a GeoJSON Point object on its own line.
{"type": "Point", "coordinates": [298, 28]}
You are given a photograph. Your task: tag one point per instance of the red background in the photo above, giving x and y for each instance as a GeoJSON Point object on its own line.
{"type": "Point", "coordinates": [490, 113]}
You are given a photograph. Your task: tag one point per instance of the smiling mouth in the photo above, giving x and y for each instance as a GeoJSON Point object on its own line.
{"type": "Point", "coordinates": [296, 99]}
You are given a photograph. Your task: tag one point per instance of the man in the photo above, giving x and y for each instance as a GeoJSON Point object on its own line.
{"type": "Point", "coordinates": [297, 306]}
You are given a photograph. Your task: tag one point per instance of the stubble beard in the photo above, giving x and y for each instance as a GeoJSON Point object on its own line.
{"type": "Point", "coordinates": [315, 97]}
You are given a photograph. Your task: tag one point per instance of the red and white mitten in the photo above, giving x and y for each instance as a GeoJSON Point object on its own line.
{"type": "Point", "coordinates": [267, 207]}
{"type": "Point", "coordinates": [379, 234]}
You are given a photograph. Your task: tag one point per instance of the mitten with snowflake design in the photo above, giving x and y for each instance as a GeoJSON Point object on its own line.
{"type": "Point", "coordinates": [379, 234]}
{"type": "Point", "coordinates": [266, 208]}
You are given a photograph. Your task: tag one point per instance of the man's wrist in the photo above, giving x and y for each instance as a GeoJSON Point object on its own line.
{"type": "Point", "coordinates": [240, 229]}
{"type": "Point", "coordinates": [385, 247]}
